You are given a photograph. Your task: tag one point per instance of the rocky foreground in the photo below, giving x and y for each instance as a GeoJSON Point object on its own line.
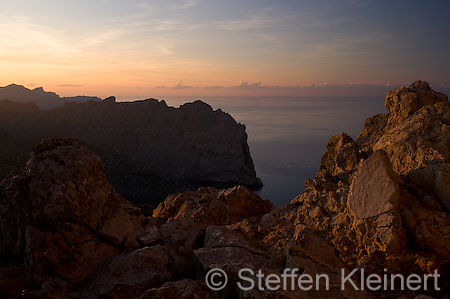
{"type": "Point", "coordinates": [379, 202]}
{"type": "Point", "coordinates": [149, 149]}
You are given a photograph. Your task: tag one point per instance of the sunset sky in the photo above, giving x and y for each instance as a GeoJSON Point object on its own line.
{"type": "Point", "coordinates": [214, 47]}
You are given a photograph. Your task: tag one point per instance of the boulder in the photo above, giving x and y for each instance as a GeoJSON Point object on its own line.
{"type": "Point", "coordinates": [403, 102]}
{"type": "Point", "coordinates": [186, 216]}
{"type": "Point", "coordinates": [211, 205]}
{"type": "Point", "coordinates": [375, 189]}
{"type": "Point", "coordinates": [374, 202]}
{"type": "Point", "coordinates": [62, 216]}
{"type": "Point", "coordinates": [131, 274]}
{"type": "Point", "coordinates": [341, 155]}
{"type": "Point", "coordinates": [231, 252]}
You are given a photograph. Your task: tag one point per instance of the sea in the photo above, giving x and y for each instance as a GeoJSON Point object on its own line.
{"type": "Point", "coordinates": [288, 135]}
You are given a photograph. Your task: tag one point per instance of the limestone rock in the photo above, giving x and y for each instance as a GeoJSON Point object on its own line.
{"type": "Point", "coordinates": [442, 186]}
{"type": "Point", "coordinates": [229, 251]}
{"type": "Point", "coordinates": [131, 274]}
{"type": "Point", "coordinates": [374, 200]}
{"type": "Point", "coordinates": [375, 189]}
{"type": "Point", "coordinates": [373, 129]}
{"type": "Point", "coordinates": [211, 205]}
{"type": "Point", "coordinates": [419, 139]}
{"type": "Point", "coordinates": [188, 214]}
{"type": "Point", "coordinates": [341, 155]}
{"type": "Point", "coordinates": [392, 209]}
{"type": "Point", "coordinates": [151, 235]}
{"type": "Point", "coordinates": [79, 238]}
{"type": "Point", "coordinates": [315, 256]}
{"type": "Point", "coordinates": [403, 102]}
{"type": "Point", "coordinates": [62, 216]}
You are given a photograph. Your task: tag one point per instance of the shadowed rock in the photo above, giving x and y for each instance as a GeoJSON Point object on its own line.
{"type": "Point", "coordinates": [76, 236]}
{"type": "Point", "coordinates": [61, 215]}
{"type": "Point", "coordinates": [149, 149]}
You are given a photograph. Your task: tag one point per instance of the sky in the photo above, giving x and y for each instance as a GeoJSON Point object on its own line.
{"type": "Point", "coordinates": [144, 48]}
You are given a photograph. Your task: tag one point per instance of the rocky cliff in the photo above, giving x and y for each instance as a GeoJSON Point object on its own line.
{"type": "Point", "coordinates": [378, 202]}
{"type": "Point", "coordinates": [382, 200]}
{"type": "Point", "coordinates": [149, 149]}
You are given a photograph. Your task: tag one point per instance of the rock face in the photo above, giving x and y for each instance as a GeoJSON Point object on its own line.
{"type": "Point", "coordinates": [65, 232]}
{"type": "Point", "coordinates": [149, 149]}
{"type": "Point", "coordinates": [61, 215]}
{"type": "Point", "coordinates": [375, 198]}
{"type": "Point", "coordinates": [78, 238]}
{"type": "Point", "coordinates": [380, 202]}
{"type": "Point", "coordinates": [403, 102]}
{"type": "Point", "coordinates": [390, 209]}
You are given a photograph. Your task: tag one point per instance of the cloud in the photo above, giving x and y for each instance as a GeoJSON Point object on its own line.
{"type": "Point", "coordinates": [188, 4]}
{"type": "Point", "coordinates": [258, 85]}
{"type": "Point", "coordinates": [102, 37]}
{"type": "Point", "coordinates": [28, 40]}
{"type": "Point", "coordinates": [166, 25]}
{"type": "Point", "coordinates": [269, 38]}
{"type": "Point", "coordinates": [144, 5]}
{"type": "Point", "coordinates": [316, 87]}
{"type": "Point", "coordinates": [180, 85]}
{"type": "Point", "coordinates": [146, 9]}
{"type": "Point", "coordinates": [165, 48]}
{"type": "Point", "coordinates": [245, 88]}
{"type": "Point", "coordinates": [254, 22]}
{"type": "Point", "coordinates": [263, 19]}
{"type": "Point", "coordinates": [247, 85]}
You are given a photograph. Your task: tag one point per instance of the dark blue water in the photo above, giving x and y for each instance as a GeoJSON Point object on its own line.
{"type": "Point", "coordinates": [287, 136]}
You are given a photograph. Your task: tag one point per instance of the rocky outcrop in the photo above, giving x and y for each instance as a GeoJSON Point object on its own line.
{"type": "Point", "coordinates": [223, 206]}
{"type": "Point", "coordinates": [62, 205]}
{"type": "Point", "coordinates": [73, 235]}
{"type": "Point", "coordinates": [375, 204]}
{"type": "Point", "coordinates": [404, 102]}
{"type": "Point", "coordinates": [149, 149]}
{"type": "Point", "coordinates": [389, 210]}
{"type": "Point", "coordinates": [61, 216]}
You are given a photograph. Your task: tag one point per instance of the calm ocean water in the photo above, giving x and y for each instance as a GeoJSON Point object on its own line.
{"type": "Point", "coordinates": [287, 136]}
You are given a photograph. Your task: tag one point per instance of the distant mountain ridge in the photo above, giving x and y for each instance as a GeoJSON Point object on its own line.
{"type": "Point", "coordinates": [44, 100]}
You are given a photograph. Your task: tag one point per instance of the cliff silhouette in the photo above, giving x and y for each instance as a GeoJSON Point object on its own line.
{"type": "Point", "coordinates": [148, 148]}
